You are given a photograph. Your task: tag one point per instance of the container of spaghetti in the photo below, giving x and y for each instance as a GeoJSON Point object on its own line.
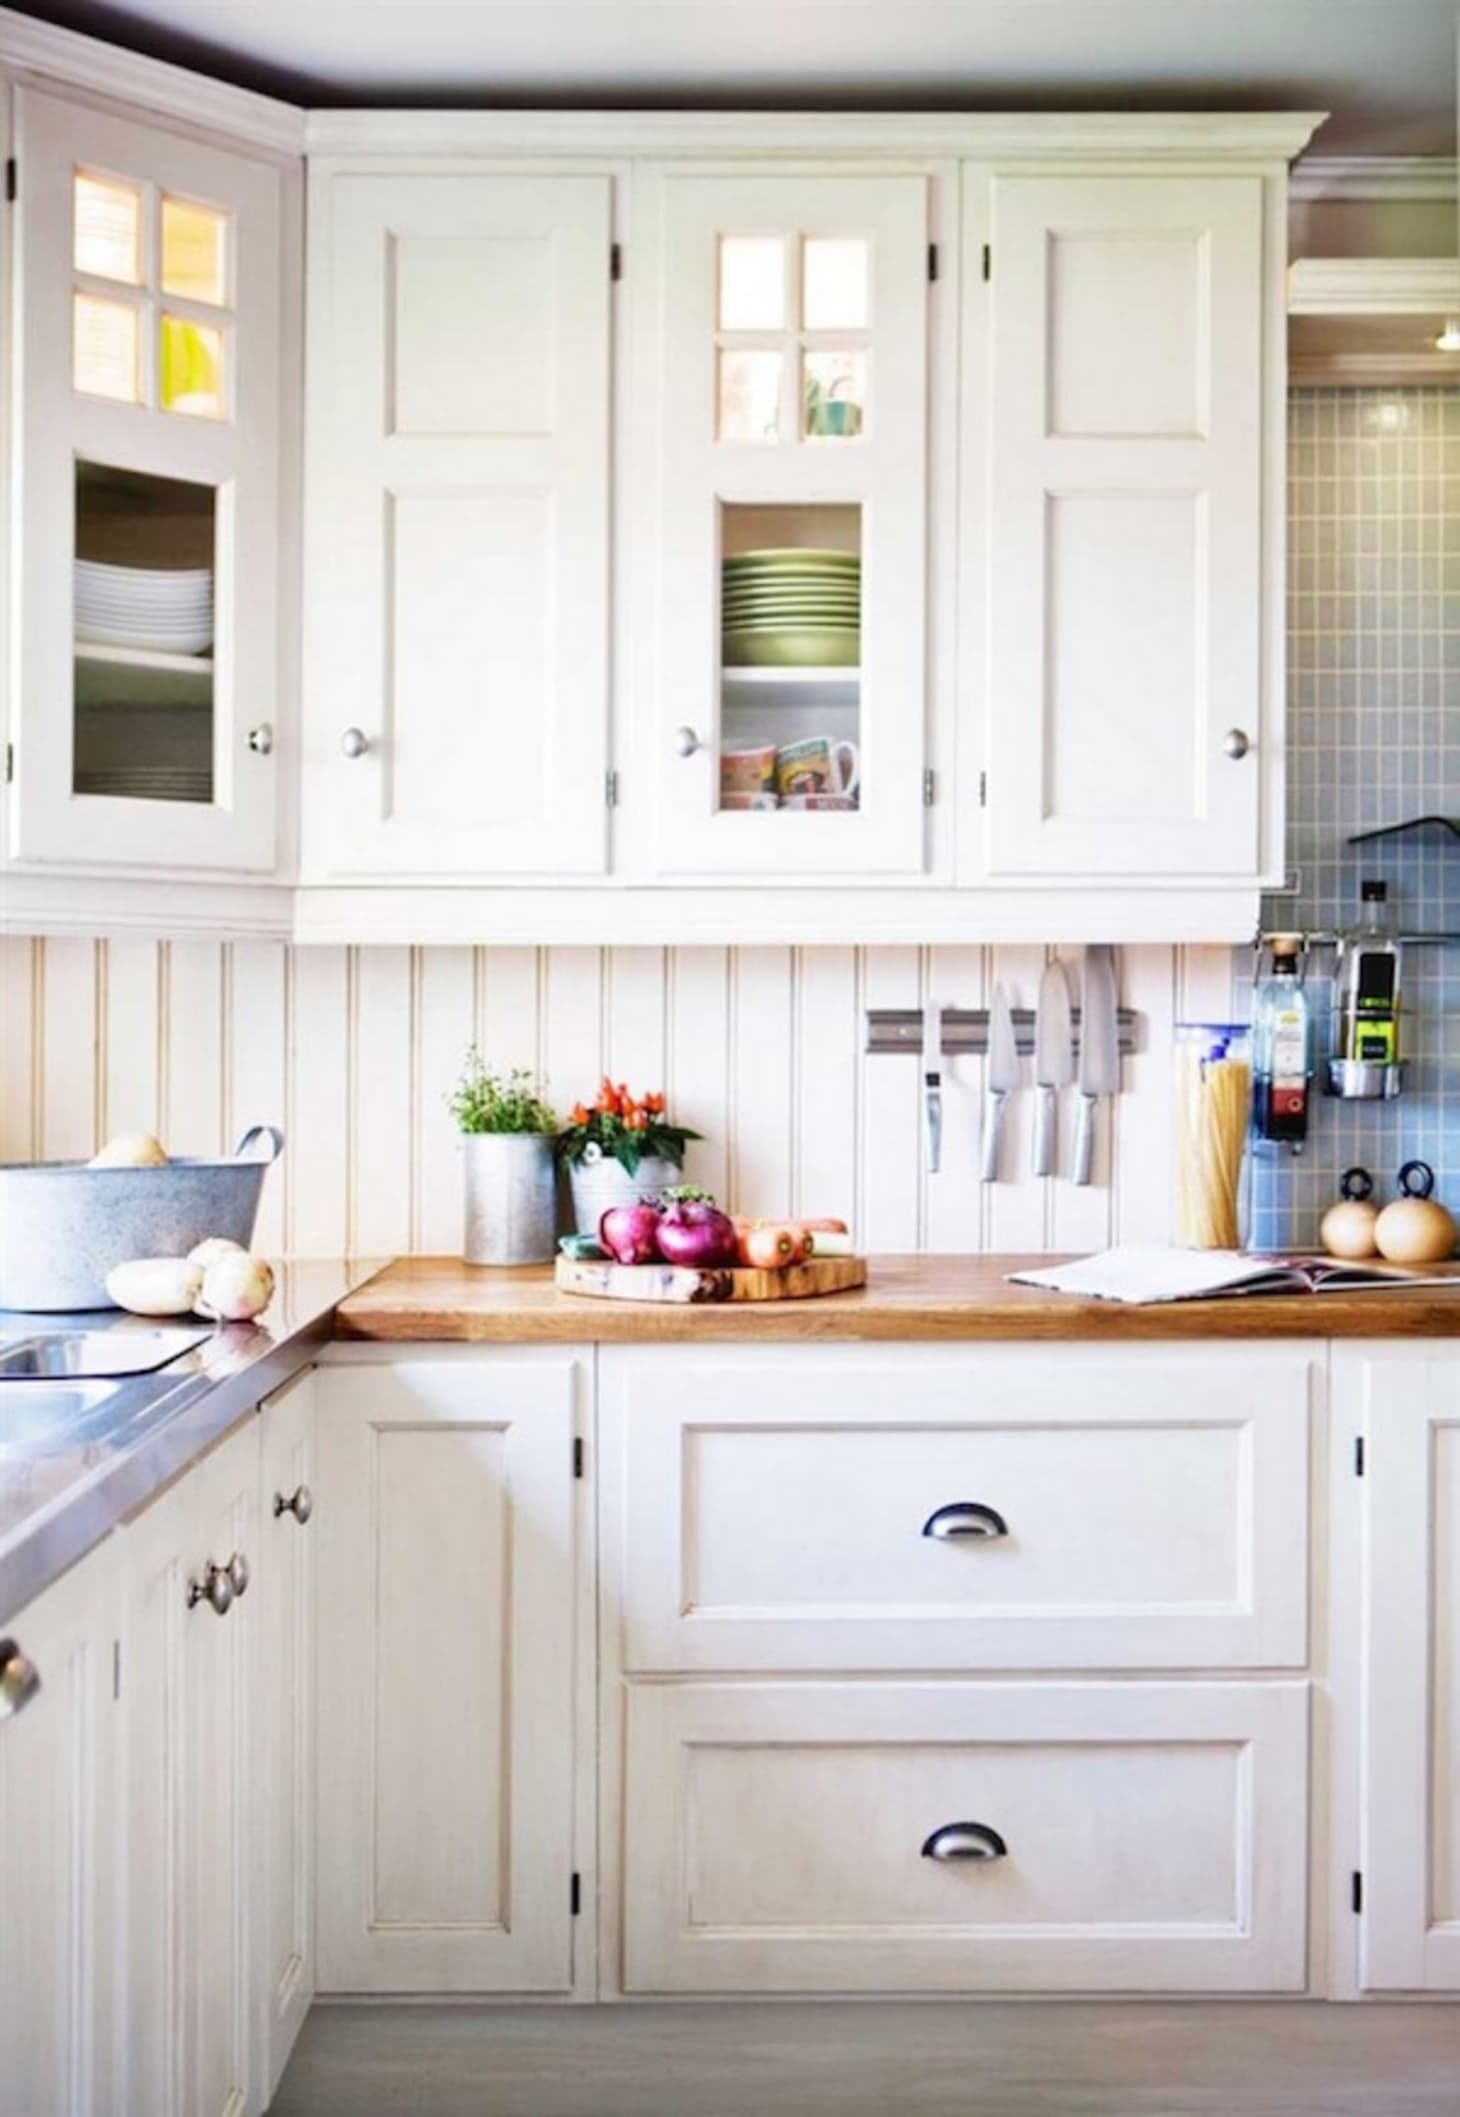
{"type": "Point", "coordinates": [1213, 1111]}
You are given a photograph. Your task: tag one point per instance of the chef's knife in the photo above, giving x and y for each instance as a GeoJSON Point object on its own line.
{"type": "Point", "coordinates": [1054, 1062]}
{"type": "Point", "coordinates": [1001, 1075]}
{"type": "Point", "coordinates": [1099, 1050]}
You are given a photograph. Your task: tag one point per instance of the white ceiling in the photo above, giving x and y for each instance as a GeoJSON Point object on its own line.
{"type": "Point", "coordinates": [1385, 68]}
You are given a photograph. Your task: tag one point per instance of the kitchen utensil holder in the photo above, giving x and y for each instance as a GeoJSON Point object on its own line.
{"type": "Point", "coordinates": [966, 1030]}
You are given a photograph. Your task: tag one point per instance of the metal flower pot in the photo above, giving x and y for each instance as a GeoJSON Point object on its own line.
{"type": "Point", "coordinates": [605, 1182]}
{"type": "Point", "coordinates": [511, 1198]}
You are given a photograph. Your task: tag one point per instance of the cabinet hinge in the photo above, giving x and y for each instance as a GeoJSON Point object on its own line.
{"type": "Point", "coordinates": [578, 1456]}
{"type": "Point", "coordinates": [12, 179]}
{"type": "Point", "coordinates": [1358, 1455]}
{"type": "Point", "coordinates": [983, 790]}
{"type": "Point", "coordinates": [575, 1895]}
{"type": "Point", "coordinates": [988, 260]}
{"type": "Point", "coordinates": [610, 790]}
{"type": "Point", "coordinates": [615, 260]}
{"type": "Point", "coordinates": [932, 260]}
{"type": "Point", "coordinates": [116, 1668]}
{"type": "Point", "coordinates": [9, 762]}
{"type": "Point", "coordinates": [1356, 1891]}
{"type": "Point", "coordinates": [930, 788]}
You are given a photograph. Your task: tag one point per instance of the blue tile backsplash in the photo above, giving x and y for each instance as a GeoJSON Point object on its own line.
{"type": "Point", "coordinates": [1373, 738]}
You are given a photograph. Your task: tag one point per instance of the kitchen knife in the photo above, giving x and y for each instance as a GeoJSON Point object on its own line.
{"type": "Point", "coordinates": [1099, 1050]}
{"type": "Point", "coordinates": [1001, 1075]}
{"type": "Point", "coordinates": [1054, 1062]}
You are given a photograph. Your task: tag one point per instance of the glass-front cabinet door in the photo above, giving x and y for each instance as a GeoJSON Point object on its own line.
{"type": "Point", "coordinates": [145, 670]}
{"type": "Point", "coordinates": [791, 546]}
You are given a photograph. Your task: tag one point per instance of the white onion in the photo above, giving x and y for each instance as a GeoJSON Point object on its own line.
{"type": "Point", "coordinates": [236, 1287]}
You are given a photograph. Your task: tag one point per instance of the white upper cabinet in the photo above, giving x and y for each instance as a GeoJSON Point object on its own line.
{"type": "Point", "coordinates": [789, 627]}
{"type": "Point", "coordinates": [1127, 551]}
{"type": "Point", "coordinates": [145, 669]}
{"type": "Point", "coordinates": [456, 577]}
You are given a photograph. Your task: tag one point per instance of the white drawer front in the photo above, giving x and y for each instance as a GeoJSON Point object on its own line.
{"type": "Point", "coordinates": [1149, 1508]}
{"type": "Point", "coordinates": [1155, 1837]}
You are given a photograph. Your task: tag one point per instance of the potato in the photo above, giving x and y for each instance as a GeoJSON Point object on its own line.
{"type": "Point", "coordinates": [155, 1286]}
{"type": "Point", "coordinates": [130, 1150]}
{"type": "Point", "coordinates": [236, 1288]}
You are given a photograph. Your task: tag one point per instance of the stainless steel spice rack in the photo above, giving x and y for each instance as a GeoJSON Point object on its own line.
{"type": "Point", "coordinates": [965, 1030]}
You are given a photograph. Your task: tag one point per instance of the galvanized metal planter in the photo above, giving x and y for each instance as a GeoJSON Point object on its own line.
{"type": "Point", "coordinates": [511, 1197]}
{"type": "Point", "coordinates": [599, 1184]}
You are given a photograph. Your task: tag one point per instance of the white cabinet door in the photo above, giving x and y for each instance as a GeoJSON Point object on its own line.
{"type": "Point", "coordinates": [791, 408]}
{"type": "Point", "coordinates": [805, 1837]}
{"type": "Point", "coordinates": [915, 1508]}
{"type": "Point", "coordinates": [188, 1695]}
{"type": "Point", "coordinates": [1406, 1399]}
{"type": "Point", "coordinates": [1127, 544]}
{"type": "Point", "coordinates": [284, 1615]}
{"type": "Point", "coordinates": [56, 1869]}
{"type": "Point", "coordinates": [445, 1659]}
{"type": "Point", "coordinates": [147, 350]}
{"type": "Point", "coordinates": [457, 524]}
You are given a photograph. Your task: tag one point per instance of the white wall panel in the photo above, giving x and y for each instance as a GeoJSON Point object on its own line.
{"type": "Point", "coordinates": [354, 1051]}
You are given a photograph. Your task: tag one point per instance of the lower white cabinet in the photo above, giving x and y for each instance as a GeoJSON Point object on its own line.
{"type": "Point", "coordinates": [284, 1694]}
{"type": "Point", "coordinates": [446, 1673]}
{"type": "Point", "coordinates": [960, 1837]}
{"type": "Point", "coordinates": [56, 1930]}
{"type": "Point", "coordinates": [1405, 1401]}
{"type": "Point", "coordinates": [188, 1830]}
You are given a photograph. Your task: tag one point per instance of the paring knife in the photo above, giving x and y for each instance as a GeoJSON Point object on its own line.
{"type": "Point", "coordinates": [1054, 1062]}
{"type": "Point", "coordinates": [1099, 1050]}
{"type": "Point", "coordinates": [933, 1084]}
{"type": "Point", "coordinates": [1001, 1076]}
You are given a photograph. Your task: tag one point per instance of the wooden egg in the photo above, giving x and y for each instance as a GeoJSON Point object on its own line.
{"type": "Point", "coordinates": [1348, 1229]}
{"type": "Point", "coordinates": [1415, 1228]}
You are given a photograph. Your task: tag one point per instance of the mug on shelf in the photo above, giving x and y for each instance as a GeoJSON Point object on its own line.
{"type": "Point", "coordinates": [751, 771]}
{"type": "Point", "coordinates": [818, 764]}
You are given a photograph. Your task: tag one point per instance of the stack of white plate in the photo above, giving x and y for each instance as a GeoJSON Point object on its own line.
{"type": "Point", "coordinates": [147, 782]}
{"type": "Point", "coordinates": [153, 609]}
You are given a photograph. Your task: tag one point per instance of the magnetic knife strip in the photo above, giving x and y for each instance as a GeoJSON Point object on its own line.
{"type": "Point", "coordinates": [966, 1030]}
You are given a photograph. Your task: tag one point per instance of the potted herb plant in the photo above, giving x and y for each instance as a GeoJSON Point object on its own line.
{"type": "Point", "coordinates": [507, 1139]}
{"type": "Point", "coordinates": [620, 1150]}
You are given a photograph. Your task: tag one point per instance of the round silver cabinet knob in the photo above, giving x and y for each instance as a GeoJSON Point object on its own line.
{"type": "Point", "coordinates": [300, 1504]}
{"type": "Point", "coordinates": [238, 1573]}
{"type": "Point", "coordinates": [215, 1588]}
{"type": "Point", "coordinates": [1236, 744]}
{"type": "Point", "coordinates": [19, 1679]}
{"type": "Point", "coordinates": [686, 742]}
{"type": "Point", "coordinates": [354, 742]}
{"type": "Point", "coordinates": [261, 739]}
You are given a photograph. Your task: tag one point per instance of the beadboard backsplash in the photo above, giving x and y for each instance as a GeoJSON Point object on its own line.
{"type": "Point", "coordinates": [760, 1049]}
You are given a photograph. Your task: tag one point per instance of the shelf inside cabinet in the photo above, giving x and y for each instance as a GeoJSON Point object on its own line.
{"type": "Point", "coordinates": [133, 676]}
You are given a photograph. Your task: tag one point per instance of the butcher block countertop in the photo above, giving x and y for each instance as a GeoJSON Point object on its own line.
{"type": "Point", "coordinates": [948, 1298]}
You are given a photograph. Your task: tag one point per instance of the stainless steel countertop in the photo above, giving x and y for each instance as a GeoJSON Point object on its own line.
{"type": "Point", "coordinates": [57, 1501]}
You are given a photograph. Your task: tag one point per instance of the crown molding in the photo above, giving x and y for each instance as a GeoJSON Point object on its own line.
{"type": "Point", "coordinates": [1374, 286]}
{"type": "Point", "coordinates": [66, 58]}
{"type": "Point", "coordinates": [1391, 177]}
{"type": "Point", "coordinates": [1197, 136]}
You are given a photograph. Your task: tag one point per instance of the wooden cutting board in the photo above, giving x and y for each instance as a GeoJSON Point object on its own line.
{"type": "Point", "coordinates": [682, 1282]}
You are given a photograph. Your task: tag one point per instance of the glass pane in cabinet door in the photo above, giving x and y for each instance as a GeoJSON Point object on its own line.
{"type": "Point", "coordinates": [108, 229]}
{"type": "Point", "coordinates": [194, 251]}
{"type": "Point", "coordinates": [143, 622]}
{"type": "Point", "coordinates": [190, 368]}
{"type": "Point", "coordinates": [834, 394]}
{"type": "Point", "coordinates": [106, 348]}
{"type": "Point", "coordinates": [833, 283]}
{"type": "Point", "coordinates": [790, 677]}
{"type": "Point", "coordinates": [752, 283]}
{"type": "Point", "coordinates": [749, 389]}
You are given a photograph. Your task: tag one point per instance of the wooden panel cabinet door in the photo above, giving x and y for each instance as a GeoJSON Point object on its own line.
{"type": "Point", "coordinates": [457, 637]}
{"type": "Point", "coordinates": [1126, 535]}
{"type": "Point", "coordinates": [445, 1658]}
{"type": "Point", "coordinates": [1406, 1400]}
{"type": "Point", "coordinates": [284, 1614]}
{"type": "Point", "coordinates": [188, 1699]}
{"type": "Point", "coordinates": [56, 1874]}
{"type": "Point", "coordinates": [148, 362]}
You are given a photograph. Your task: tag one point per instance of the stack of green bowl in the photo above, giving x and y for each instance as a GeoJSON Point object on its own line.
{"type": "Point", "coordinates": [792, 609]}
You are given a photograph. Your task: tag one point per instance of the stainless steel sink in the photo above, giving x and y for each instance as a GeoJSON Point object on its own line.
{"type": "Point", "coordinates": [57, 1355]}
{"type": "Point", "coordinates": [53, 1415]}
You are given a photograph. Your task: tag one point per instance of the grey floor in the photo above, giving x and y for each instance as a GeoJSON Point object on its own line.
{"type": "Point", "coordinates": [883, 2060]}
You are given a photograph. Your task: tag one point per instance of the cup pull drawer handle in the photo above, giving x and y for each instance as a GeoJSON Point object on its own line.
{"type": "Point", "coordinates": [964, 1841]}
{"type": "Point", "coordinates": [965, 1518]}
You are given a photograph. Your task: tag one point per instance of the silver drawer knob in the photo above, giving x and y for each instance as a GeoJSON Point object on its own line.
{"type": "Point", "coordinates": [261, 739]}
{"type": "Point", "coordinates": [300, 1504]}
{"type": "Point", "coordinates": [964, 1841]}
{"type": "Point", "coordinates": [1236, 744]}
{"type": "Point", "coordinates": [686, 742]}
{"type": "Point", "coordinates": [20, 1679]}
{"type": "Point", "coordinates": [215, 1588]}
{"type": "Point", "coordinates": [238, 1573]}
{"type": "Point", "coordinates": [354, 742]}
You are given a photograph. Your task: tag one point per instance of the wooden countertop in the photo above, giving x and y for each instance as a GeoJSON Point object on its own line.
{"type": "Point", "coordinates": [924, 1297]}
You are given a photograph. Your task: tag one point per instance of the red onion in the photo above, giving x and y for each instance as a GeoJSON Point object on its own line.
{"type": "Point", "coordinates": [692, 1232]}
{"type": "Point", "coordinates": [628, 1234]}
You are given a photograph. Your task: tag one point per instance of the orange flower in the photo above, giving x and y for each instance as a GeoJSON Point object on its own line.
{"type": "Point", "coordinates": [637, 1120]}
{"type": "Point", "coordinates": [578, 1115]}
{"type": "Point", "coordinates": [608, 1098]}
{"type": "Point", "coordinates": [654, 1104]}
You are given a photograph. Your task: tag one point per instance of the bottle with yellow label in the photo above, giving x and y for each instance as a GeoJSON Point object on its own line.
{"type": "Point", "coordinates": [1366, 987]}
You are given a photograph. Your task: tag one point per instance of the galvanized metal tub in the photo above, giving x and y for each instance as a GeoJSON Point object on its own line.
{"type": "Point", "coordinates": [64, 1225]}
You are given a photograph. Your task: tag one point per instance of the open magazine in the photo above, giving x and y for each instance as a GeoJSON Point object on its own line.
{"type": "Point", "coordinates": [1137, 1274]}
